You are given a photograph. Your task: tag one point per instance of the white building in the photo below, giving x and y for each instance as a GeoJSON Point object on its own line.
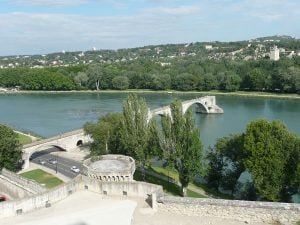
{"type": "Point", "coordinates": [274, 53]}
{"type": "Point", "coordinates": [208, 47]}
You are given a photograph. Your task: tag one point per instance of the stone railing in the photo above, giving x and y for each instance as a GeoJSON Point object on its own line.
{"type": "Point", "coordinates": [24, 183]}
{"type": "Point", "coordinates": [46, 199]}
{"type": "Point", "coordinates": [68, 134]}
{"type": "Point", "coordinates": [246, 211]}
{"type": "Point", "coordinates": [126, 173]}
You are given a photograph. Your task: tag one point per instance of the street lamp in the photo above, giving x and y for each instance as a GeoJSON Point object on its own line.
{"type": "Point", "coordinates": [56, 163]}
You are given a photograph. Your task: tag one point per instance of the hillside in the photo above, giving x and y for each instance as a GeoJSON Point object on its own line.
{"type": "Point", "coordinates": [241, 50]}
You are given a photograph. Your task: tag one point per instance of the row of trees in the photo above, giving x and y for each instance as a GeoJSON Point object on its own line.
{"type": "Point", "coordinates": [261, 163]}
{"type": "Point", "coordinates": [131, 133]}
{"type": "Point", "coordinates": [184, 74]}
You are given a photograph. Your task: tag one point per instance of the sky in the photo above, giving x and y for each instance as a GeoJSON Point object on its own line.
{"type": "Point", "coordinates": [45, 26]}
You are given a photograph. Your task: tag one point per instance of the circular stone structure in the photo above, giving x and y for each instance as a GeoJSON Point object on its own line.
{"type": "Point", "coordinates": [110, 168]}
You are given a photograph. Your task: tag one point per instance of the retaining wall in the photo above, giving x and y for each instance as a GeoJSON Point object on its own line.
{"type": "Point", "coordinates": [130, 188]}
{"type": "Point", "coordinates": [246, 211]}
{"type": "Point", "coordinates": [27, 185]}
{"type": "Point", "coordinates": [46, 199]}
{"type": "Point", "coordinates": [41, 200]}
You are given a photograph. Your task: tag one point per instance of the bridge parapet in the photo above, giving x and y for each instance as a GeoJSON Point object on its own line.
{"type": "Point", "coordinates": [207, 103]}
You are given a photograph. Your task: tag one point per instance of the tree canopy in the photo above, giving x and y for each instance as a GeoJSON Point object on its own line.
{"type": "Point", "coordinates": [267, 151]}
{"type": "Point", "coordinates": [10, 149]}
{"type": "Point", "coordinates": [180, 142]}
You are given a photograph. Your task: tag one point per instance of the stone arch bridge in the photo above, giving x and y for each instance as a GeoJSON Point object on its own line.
{"type": "Point", "coordinates": [71, 140]}
{"type": "Point", "coordinates": [206, 104]}
{"type": "Point", "coordinates": [67, 142]}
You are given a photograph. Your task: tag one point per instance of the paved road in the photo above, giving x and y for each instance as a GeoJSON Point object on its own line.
{"type": "Point", "coordinates": [63, 165]}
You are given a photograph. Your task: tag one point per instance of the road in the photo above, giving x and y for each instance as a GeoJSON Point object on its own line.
{"type": "Point", "coordinates": [62, 166]}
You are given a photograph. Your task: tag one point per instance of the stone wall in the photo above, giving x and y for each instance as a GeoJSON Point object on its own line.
{"type": "Point", "coordinates": [46, 199]}
{"type": "Point", "coordinates": [16, 186]}
{"type": "Point", "coordinates": [29, 186]}
{"type": "Point", "coordinates": [131, 188]}
{"type": "Point", "coordinates": [41, 200]}
{"type": "Point", "coordinates": [245, 211]}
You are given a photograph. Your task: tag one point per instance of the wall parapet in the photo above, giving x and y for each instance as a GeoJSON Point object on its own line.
{"type": "Point", "coordinates": [29, 185]}
{"type": "Point", "coordinates": [254, 211]}
{"type": "Point", "coordinates": [46, 199]}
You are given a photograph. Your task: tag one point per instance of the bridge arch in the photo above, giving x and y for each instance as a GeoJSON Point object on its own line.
{"type": "Point", "coordinates": [79, 143]}
{"type": "Point", "coordinates": [44, 148]}
{"type": "Point", "coordinates": [201, 105]}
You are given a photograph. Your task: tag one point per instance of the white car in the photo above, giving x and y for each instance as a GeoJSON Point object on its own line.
{"type": "Point", "coordinates": [52, 161]}
{"type": "Point", "coordinates": [42, 162]}
{"type": "Point", "coordinates": [75, 169]}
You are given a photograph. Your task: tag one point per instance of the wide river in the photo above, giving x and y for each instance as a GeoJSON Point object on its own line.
{"type": "Point", "coordinates": [52, 114]}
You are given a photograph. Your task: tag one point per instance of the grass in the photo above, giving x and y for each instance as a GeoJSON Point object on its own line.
{"type": "Point", "coordinates": [168, 172]}
{"type": "Point", "coordinates": [42, 177]}
{"type": "Point", "coordinates": [168, 187]}
{"type": "Point", "coordinates": [23, 139]}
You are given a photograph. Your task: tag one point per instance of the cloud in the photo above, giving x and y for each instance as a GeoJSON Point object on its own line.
{"type": "Point", "coordinates": [36, 32]}
{"type": "Point", "coordinates": [49, 2]}
{"type": "Point", "coordinates": [180, 10]}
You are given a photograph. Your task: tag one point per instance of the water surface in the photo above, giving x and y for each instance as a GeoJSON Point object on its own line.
{"type": "Point", "coordinates": [52, 114]}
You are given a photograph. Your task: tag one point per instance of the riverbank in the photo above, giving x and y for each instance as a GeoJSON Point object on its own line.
{"type": "Point", "coordinates": [237, 93]}
{"type": "Point", "coordinates": [30, 136]}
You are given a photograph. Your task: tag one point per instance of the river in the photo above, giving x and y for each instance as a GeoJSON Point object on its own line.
{"type": "Point", "coordinates": [52, 114]}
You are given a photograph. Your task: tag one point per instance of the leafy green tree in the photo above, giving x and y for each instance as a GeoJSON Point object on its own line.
{"type": "Point", "coordinates": [81, 78]}
{"type": "Point", "coordinates": [95, 74]}
{"type": "Point", "coordinates": [225, 163]}
{"type": "Point", "coordinates": [120, 83]}
{"type": "Point", "coordinates": [180, 142]}
{"type": "Point", "coordinates": [267, 147]}
{"type": "Point", "coordinates": [10, 149]}
{"type": "Point", "coordinates": [135, 130]}
{"type": "Point", "coordinates": [104, 134]}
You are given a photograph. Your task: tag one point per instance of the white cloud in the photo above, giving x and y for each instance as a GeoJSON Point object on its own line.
{"type": "Point", "coordinates": [25, 32]}
{"type": "Point", "coordinates": [49, 2]}
{"type": "Point", "coordinates": [180, 10]}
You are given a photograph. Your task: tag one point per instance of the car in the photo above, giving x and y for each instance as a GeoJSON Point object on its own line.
{"type": "Point", "coordinates": [75, 169]}
{"type": "Point", "coordinates": [42, 162]}
{"type": "Point", "coordinates": [52, 161]}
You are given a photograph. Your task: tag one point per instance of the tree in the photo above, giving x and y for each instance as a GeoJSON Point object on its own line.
{"type": "Point", "coordinates": [10, 149]}
{"type": "Point", "coordinates": [95, 75]}
{"type": "Point", "coordinates": [225, 163]}
{"type": "Point", "coordinates": [104, 134]}
{"type": "Point", "coordinates": [180, 142]}
{"type": "Point", "coordinates": [120, 83]}
{"type": "Point", "coordinates": [267, 146]}
{"type": "Point", "coordinates": [81, 78]}
{"type": "Point", "coordinates": [135, 129]}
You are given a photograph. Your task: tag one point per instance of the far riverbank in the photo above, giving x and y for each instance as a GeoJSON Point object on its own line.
{"type": "Point", "coordinates": [237, 93]}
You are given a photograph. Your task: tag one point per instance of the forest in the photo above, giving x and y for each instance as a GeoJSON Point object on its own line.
{"type": "Point", "coordinates": [182, 74]}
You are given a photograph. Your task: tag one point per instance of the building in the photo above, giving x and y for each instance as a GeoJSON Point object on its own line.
{"type": "Point", "coordinates": [208, 47]}
{"type": "Point", "coordinates": [274, 53]}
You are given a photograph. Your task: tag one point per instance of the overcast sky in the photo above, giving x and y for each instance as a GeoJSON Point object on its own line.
{"type": "Point", "coordinates": [45, 26]}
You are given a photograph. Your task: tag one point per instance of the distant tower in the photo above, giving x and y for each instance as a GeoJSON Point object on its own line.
{"type": "Point", "coordinates": [274, 53]}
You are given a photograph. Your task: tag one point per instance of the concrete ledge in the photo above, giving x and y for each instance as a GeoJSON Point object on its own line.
{"type": "Point", "coordinates": [267, 212]}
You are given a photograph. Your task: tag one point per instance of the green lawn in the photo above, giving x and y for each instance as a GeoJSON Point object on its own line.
{"type": "Point", "coordinates": [173, 174]}
{"type": "Point", "coordinates": [43, 178]}
{"type": "Point", "coordinates": [24, 139]}
{"type": "Point", "coordinates": [168, 187]}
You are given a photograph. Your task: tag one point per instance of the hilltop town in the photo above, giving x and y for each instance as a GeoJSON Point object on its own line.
{"type": "Point", "coordinates": [254, 49]}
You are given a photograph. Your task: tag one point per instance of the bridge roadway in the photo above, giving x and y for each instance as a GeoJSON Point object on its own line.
{"type": "Point", "coordinates": [63, 164]}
